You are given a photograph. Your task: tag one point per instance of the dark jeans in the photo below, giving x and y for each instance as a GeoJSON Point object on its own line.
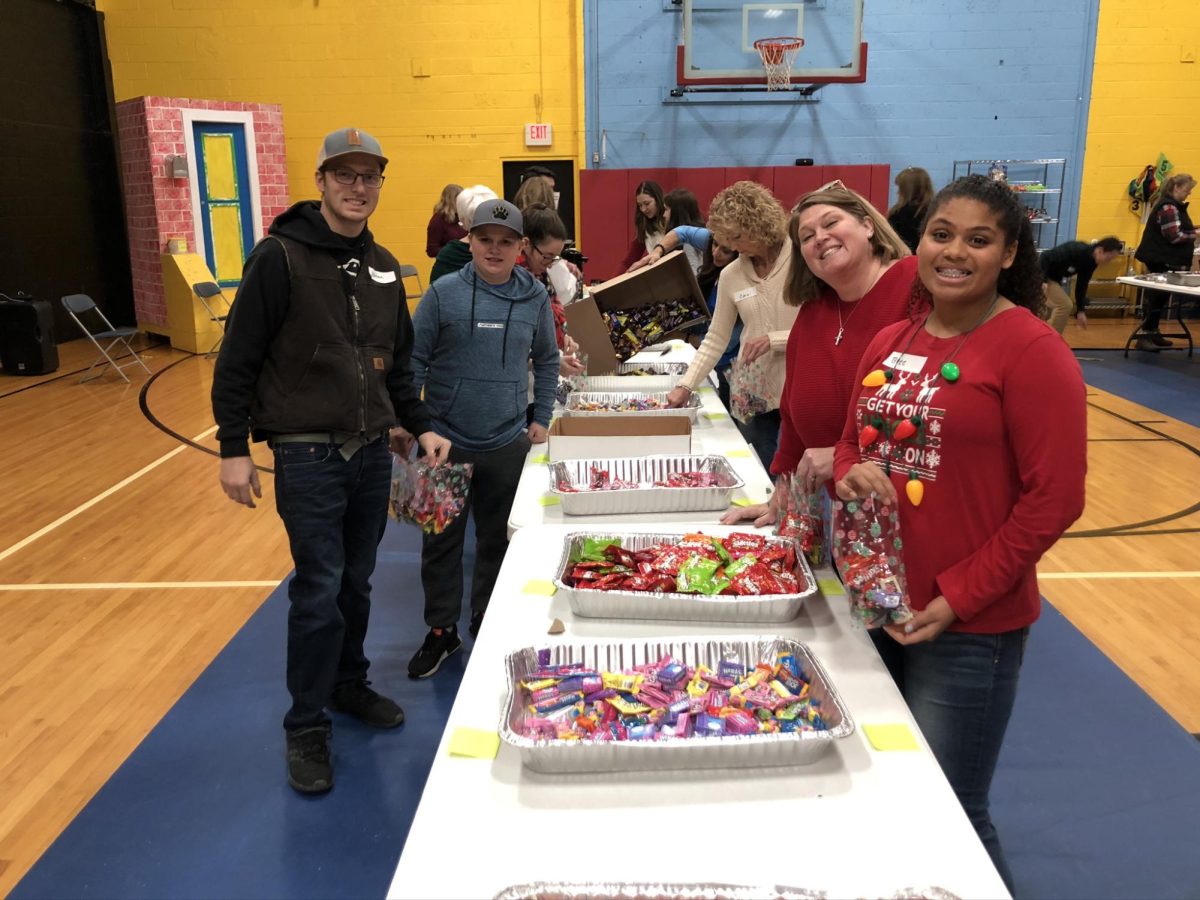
{"type": "Point", "coordinates": [960, 689]}
{"type": "Point", "coordinates": [762, 433]}
{"type": "Point", "coordinates": [335, 511]}
{"type": "Point", "coordinates": [493, 487]}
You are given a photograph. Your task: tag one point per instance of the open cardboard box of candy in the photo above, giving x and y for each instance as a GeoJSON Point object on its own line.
{"type": "Point", "coordinates": [638, 484]}
{"type": "Point", "coordinates": [739, 577]}
{"type": "Point", "coordinates": [671, 704]}
{"type": "Point", "coordinates": [636, 310]}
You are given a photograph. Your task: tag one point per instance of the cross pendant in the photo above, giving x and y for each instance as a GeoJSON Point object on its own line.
{"type": "Point", "coordinates": [837, 340]}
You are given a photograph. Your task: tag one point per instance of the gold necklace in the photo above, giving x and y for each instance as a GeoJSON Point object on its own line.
{"type": "Point", "coordinates": [842, 325]}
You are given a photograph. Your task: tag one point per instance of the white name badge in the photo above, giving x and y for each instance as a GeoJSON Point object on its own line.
{"type": "Point", "coordinates": [489, 325]}
{"type": "Point", "coordinates": [745, 294]}
{"type": "Point", "coordinates": [905, 362]}
{"type": "Point", "coordinates": [381, 277]}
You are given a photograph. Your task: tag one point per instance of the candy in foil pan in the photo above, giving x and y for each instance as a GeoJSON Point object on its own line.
{"type": "Point", "coordinates": [578, 399]}
{"type": "Point", "coordinates": [732, 750]}
{"type": "Point", "coordinates": [754, 608]}
{"type": "Point", "coordinates": [547, 890]}
{"type": "Point", "coordinates": [647, 497]}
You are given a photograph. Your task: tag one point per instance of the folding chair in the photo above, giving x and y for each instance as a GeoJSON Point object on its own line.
{"type": "Point", "coordinates": [411, 272]}
{"type": "Point", "coordinates": [78, 305]}
{"type": "Point", "coordinates": [208, 291]}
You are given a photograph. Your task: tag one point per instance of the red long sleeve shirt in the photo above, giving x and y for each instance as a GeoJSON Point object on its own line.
{"type": "Point", "coordinates": [820, 374]}
{"type": "Point", "coordinates": [1002, 452]}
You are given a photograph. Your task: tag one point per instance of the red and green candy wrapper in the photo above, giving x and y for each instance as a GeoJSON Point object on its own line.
{"type": "Point", "coordinates": [867, 549]}
{"type": "Point", "coordinates": [430, 497]}
{"type": "Point", "coordinates": [800, 517]}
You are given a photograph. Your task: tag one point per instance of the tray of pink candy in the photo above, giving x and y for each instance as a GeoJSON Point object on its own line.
{"type": "Point", "coordinates": [627, 890]}
{"type": "Point", "coordinates": [671, 704]}
{"type": "Point", "coordinates": [639, 484]}
{"type": "Point", "coordinates": [612, 403]}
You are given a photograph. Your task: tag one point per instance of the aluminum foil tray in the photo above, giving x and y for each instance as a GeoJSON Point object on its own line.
{"type": "Point", "coordinates": [571, 407]}
{"type": "Point", "coordinates": [796, 748]}
{"type": "Point", "coordinates": [548, 890]}
{"type": "Point", "coordinates": [761, 609]}
{"type": "Point", "coordinates": [1186, 279]}
{"type": "Point", "coordinates": [658, 377]}
{"type": "Point", "coordinates": [645, 470]}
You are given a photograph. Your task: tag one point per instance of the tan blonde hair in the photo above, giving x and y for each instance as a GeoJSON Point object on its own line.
{"type": "Point", "coordinates": [914, 187]}
{"type": "Point", "coordinates": [1167, 191]}
{"type": "Point", "coordinates": [803, 285]}
{"type": "Point", "coordinates": [533, 191]}
{"type": "Point", "coordinates": [747, 211]}
{"type": "Point", "coordinates": [446, 207]}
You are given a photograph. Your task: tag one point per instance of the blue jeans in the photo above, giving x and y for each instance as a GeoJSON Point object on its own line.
{"type": "Point", "coordinates": [335, 511]}
{"type": "Point", "coordinates": [960, 688]}
{"type": "Point", "coordinates": [762, 433]}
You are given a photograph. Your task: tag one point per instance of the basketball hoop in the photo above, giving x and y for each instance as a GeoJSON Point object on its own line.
{"type": "Point", "coordinates": [778, 54]}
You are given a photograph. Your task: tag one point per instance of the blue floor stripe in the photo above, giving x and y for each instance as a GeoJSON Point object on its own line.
{"type": "Point", "coordinates": [1167, 382]}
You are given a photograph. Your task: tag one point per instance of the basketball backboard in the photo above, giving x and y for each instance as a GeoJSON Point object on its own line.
{"type": "Point", "coordinates": [719, 36]}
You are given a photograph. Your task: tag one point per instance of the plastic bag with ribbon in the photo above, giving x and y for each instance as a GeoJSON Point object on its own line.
{"type": "Point", "coordinates": [800, 517]}
{"type": "Point", "coordinates": [430, 497]}
{"type": "Point", "coordinates": [867, 549]}
{"type": "Point", "coordinates": [748, 391]}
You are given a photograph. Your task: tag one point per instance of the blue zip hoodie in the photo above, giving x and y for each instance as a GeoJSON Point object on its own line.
{"type": "Point", "coordinates": [471, 350]}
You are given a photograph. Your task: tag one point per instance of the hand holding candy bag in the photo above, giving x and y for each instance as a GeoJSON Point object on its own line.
{"type": "Point", "coordinates": [800, 517]}
{"type": "Point", "coordinates": [866, 548]}
{"type": "Point", "coordinates": [430, 497]}
{"type": "Point", "coordinates": [748, 393]}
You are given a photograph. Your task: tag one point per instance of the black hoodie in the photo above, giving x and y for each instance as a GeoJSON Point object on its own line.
{"type": "Point", "coordinates": [319, 339]}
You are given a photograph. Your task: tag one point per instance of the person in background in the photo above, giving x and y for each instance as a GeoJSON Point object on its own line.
{"type": "Point", "coordinates": [1167, 245]}
{"type": "Point", "coordinates": [648, 221]}
{"type": "Point", "coordinates": [476, 331]}
{"type": "Point", "coordinates": [1081, 260]}
{"type": "Point", "coordinates": [534, 191]}
{"type": "Point", "coordinates": [443, 225]}
{"type": "Point", "coordinates": [746, 218]}
{"type": "Point", "coordinates": [545, 237]}
{"type": "Point", "coordinates": [542, 172]}
{"type": "Point", "coordinates": [457, 254]}
{"type": "Point", "coordinates": [680, 207]}
{"type": "Point", "coordinates": [991, 477]}
{"type": "Point", "coordinates": [324, 395]}
{"type": "Point", "coordinates": [852, 275]}
{"type": "Point", "coordinates": [914, 191]}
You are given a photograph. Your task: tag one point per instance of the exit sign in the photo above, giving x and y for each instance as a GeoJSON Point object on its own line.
{"type": "Point", "coordinates": [539, 134]}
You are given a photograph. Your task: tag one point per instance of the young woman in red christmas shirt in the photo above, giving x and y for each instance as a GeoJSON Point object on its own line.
{"type": "Point", "coordinates": [989, 470]}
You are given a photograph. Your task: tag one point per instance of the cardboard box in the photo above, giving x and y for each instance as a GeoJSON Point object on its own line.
{"type": "Point", "coordinates": [607, 437]}
{"type": "Point", "coordinates": [671, 278]}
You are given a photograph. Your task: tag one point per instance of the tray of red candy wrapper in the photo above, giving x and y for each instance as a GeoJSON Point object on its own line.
{"type": "Point", "coordinates": [737, 577]}
{"type": "Point", "coordinates": [637, 484]}
{"type": "Point", "coordinates": [671, 704]}
{"type": "Point", "coordinates": [628, 890]}
{"type": "Point", "coordinates": [623, 403]}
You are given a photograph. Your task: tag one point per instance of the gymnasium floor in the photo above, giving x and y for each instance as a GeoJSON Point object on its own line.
{"type": "Point", "coordinates": [124, 572]}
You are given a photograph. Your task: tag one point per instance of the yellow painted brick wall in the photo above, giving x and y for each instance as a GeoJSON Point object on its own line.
{"type": "Point", "coordinates": [1145, 100]}
{"type": "Point", "coordinates": [446, 85]}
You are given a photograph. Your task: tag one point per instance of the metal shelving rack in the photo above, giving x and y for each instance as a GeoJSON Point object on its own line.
{"type": "Point", "coordinates": [1040, 183]}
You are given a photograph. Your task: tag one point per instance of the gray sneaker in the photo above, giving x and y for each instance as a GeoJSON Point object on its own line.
{"type": "Point", "coordinates": [1145, 342]}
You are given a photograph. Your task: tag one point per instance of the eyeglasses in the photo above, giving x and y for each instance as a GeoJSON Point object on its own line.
{"type": "Point", "coordinates": [349, 176]}
{"type": "Point", "coordinates": [546, 257]}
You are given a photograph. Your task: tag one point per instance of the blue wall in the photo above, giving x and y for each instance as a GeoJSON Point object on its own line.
{"type": "Point", "coordinates": [947, 80]}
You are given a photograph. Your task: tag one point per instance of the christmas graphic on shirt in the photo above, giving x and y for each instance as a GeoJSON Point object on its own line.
{"type": "Point", "coordinates": [900, 425]}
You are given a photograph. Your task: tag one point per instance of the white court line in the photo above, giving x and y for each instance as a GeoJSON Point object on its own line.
{"type": "Point", "coordinates": [1067, 576]}
{"type": "Point", "coordinates": [21, 545]}
{"type": "Point", "coordinates": [135, 585]}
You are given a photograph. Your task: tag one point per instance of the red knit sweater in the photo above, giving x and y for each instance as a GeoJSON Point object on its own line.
{"type": "Point", "coordinates": [820, 374]}
{"type": "Point", "coordinates": [1002, 453]}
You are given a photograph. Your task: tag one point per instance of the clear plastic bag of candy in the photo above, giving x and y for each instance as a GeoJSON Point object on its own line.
{"type": "Point", "coordinates": [867, 550]}
{"type": "Point", "coordinates": [800, 517]}
{"type": "Point", "coordinates": [748, 392]}
{"type": "Point", "coordinates": [569, 383]}
{"type": "Point", "coordinates": [430, 497]}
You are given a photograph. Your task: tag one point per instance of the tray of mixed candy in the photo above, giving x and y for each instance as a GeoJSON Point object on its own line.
{"type": "Point", "coordinates": [611, 403]}
{"type": "Point", "coordinates": [740, 577]}
{"type": "Point", "coordinates": [647, 377]}
{"type": "Point", "coordinates": [671, 704]}
{"type": "Point", "coordinates": [700, 890]}
{"type": "Point", "coordinates": [639, 484]}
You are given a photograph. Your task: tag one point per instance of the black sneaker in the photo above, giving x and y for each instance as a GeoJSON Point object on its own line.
{"type": "Point", "coordinates": [476, 621]}
{"type": "Point", "coordinates": [436, 648]}
{"type": "Point", "coordinates": [355, 698]}
{"type": "Point", "coordinates": [309, 768]}
{"type": "Point", "coordinates": [1159, 340]}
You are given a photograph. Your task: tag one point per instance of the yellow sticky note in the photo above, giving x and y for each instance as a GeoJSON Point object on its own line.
{"type": "Point", "coordinates": [544, 588]}
{"type": "Point", "coordinates": [707, 389]}
{"type": "Point", "coordinates": [540, 458]}
{"type": "Point", "coordinates": [712, 417]}
{"type": "Point", "coordinates": [891, 736]}
{"type": "Point", "coordinates": [549, 500]}
{"type": "Point", "coordinates": [474, 743]}
{"type": "Point", "coordinates": [738, 454]}
{"type": "Point", "coordinates": [831, 587]}
{"type": "Point", "coordinates": [743, 501]}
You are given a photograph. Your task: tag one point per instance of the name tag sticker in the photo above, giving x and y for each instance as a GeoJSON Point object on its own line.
{"type": "Point", "coordinates": [489, 324]}
{"type": "Point", "coordinates": [745, 294]}
{"type": "Point", "coordinates": [381, 277]}
{"type": "Point", "coordinates": [905, 362]}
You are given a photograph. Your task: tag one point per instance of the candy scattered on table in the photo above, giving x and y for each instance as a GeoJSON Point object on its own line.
{"type": "Point", "coordinates": [742, 564]}
{"type": "Point", "coordinates": [668, 700]}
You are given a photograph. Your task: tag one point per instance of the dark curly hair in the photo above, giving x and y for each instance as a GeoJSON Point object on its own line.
{"type": "Point", "coordinates": [1022, 281]}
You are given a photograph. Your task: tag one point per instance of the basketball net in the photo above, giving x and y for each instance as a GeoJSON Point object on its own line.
{"type": "Point", "coordinates": [778, 54]}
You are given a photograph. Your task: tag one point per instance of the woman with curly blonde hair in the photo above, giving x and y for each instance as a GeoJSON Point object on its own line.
{"type": "Point", "coordinates": [745, 218]}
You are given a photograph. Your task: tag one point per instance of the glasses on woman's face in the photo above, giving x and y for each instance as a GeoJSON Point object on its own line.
{"type": "Point", "coordinates": [546, 257]}
{"type": "Point", "coordinates": [349, 176]}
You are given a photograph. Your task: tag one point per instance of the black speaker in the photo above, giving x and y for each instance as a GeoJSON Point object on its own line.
{"type": "Point", "coordinates": [27, 337]}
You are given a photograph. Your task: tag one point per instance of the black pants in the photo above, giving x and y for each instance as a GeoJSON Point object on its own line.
{"type": "Point", "coordinates": [1153, 301]}
{"type": "Point", "coordinates": [493, 487]}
